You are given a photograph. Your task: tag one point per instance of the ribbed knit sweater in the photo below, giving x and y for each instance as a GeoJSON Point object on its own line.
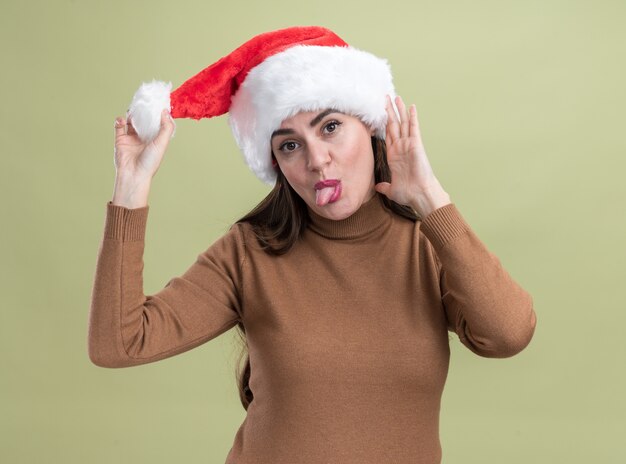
{"type": "Point", "coordinates": [347, 332]}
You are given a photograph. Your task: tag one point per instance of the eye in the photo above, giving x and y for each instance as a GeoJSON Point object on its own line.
{"type": "Point", "coordinates": [332, 126]}
{"type": "Point", "coordinates": [287, 147]}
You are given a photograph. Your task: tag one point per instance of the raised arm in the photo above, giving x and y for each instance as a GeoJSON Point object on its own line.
{"type": "Point", "coordinates": [490, 312]}
{"type": "Point", "coordinates": [492, 315]}
{"type": "Point", "coordinates": [126, 327]}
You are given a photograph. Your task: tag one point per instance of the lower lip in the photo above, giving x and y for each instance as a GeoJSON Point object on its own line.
{"type": "Point", "coordinates": [336, 194]}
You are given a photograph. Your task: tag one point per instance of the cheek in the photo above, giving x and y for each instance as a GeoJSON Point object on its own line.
{"type": "Point", "coordinates": [364, 159]}
{"type": "Point", "coordinates": [294, 175]}
{"type": "Point", "coordinates": [368, 171]}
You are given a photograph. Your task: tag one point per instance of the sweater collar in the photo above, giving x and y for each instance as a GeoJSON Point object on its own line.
{"type": "Point", "coordinates": [371, 216]}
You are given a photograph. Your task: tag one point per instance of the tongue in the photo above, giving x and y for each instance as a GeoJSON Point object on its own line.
{"type": "Point", "coordinates": [323, 195]}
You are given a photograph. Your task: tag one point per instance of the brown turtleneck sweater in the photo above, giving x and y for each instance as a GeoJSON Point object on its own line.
{"type": "Point", "coordinates": [347, 333]}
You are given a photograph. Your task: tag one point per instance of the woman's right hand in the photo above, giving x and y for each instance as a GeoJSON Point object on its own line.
{"type": "Point", "coordinates": [135, 159]}
{"type": "Point", "coordinates": [137, 162]}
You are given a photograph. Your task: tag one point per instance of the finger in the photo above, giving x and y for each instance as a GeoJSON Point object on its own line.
{"type": "Point", "coordinates": [130, 129]}
{"type": "Point", "coordinates": [387, 133]}
{"type": "Point", "coordinates": [383, 187]}
{"type": "Point", "coordinates": [404, 120]}
{"type": "Point", "coordinates": [393, 127]}
{"type": "Point", "coordinates": [414, 125]}
{"type": "Point", "coordinates": [166, 132]}
{"type": "Point", "coordinates": [120, 126]}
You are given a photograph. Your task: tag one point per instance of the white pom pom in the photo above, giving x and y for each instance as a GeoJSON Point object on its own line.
{"type": "Point", "coordinates": [145, 109]}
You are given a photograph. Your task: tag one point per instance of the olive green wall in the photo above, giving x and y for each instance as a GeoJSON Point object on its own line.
{"type": "Point", "coordinates": [521, 108]}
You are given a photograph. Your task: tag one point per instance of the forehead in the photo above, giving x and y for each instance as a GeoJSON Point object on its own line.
{"type": "Point", "coordinates": [305, 118]}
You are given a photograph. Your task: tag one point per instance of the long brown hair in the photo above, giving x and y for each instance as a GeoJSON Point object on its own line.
{"type": "Point", "coordinates": [279, 220]}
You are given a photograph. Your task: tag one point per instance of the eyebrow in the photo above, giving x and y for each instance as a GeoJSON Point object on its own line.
{"type": "Point", "coordinates": [321, 116]}
{"type": "Point", "coordinates": [313, 122]}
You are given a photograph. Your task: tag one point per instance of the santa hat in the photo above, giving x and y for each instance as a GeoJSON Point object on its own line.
{"type": "Point", "coordinates": [271, 77]}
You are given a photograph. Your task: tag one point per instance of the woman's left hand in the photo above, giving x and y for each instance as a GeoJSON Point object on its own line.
{"type": "Point", "coordinates": [413, 182]}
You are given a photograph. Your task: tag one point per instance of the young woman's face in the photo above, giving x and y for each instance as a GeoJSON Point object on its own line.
{"type": "Point", "coordinates": [327, 158]}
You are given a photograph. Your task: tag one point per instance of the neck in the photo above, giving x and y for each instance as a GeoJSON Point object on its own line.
{"type": "Point", "coordinates": [371, 216]}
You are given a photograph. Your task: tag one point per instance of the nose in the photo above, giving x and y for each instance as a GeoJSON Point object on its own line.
{"type": "Point", "coordinates": [318, 156]}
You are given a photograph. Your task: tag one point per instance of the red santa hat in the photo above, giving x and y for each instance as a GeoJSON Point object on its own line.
{"type": "Point", "coordinates": [271, 77]}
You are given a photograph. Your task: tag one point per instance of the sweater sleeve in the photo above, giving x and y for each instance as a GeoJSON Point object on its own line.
{"type": "Point", "coordinates": [492, 315]}
{"type": "Point", "coordinates": [126, 327]}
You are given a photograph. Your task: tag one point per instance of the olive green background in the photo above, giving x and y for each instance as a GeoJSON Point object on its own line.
{"type": "Point", "coordinates": [521, 108]}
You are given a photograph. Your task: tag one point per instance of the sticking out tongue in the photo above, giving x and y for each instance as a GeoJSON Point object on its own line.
{"type": "Point", "coordinates": [323, 195]}
{"type": "Point", "coordinates": [327, 191]}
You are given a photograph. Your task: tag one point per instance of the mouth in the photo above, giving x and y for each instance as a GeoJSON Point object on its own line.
{"type": "Point", "coordinates": [327, 191]}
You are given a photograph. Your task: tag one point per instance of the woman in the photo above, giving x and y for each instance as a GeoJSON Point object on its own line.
{"type": "Point", "coordinates": [345, 279]}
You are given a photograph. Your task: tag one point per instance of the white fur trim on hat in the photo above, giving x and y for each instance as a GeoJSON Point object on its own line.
{"type": "Point", "coordinates": [306, 78]}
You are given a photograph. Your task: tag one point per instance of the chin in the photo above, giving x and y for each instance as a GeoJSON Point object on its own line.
{"type": "Point", "coordinates": [337, 211]}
